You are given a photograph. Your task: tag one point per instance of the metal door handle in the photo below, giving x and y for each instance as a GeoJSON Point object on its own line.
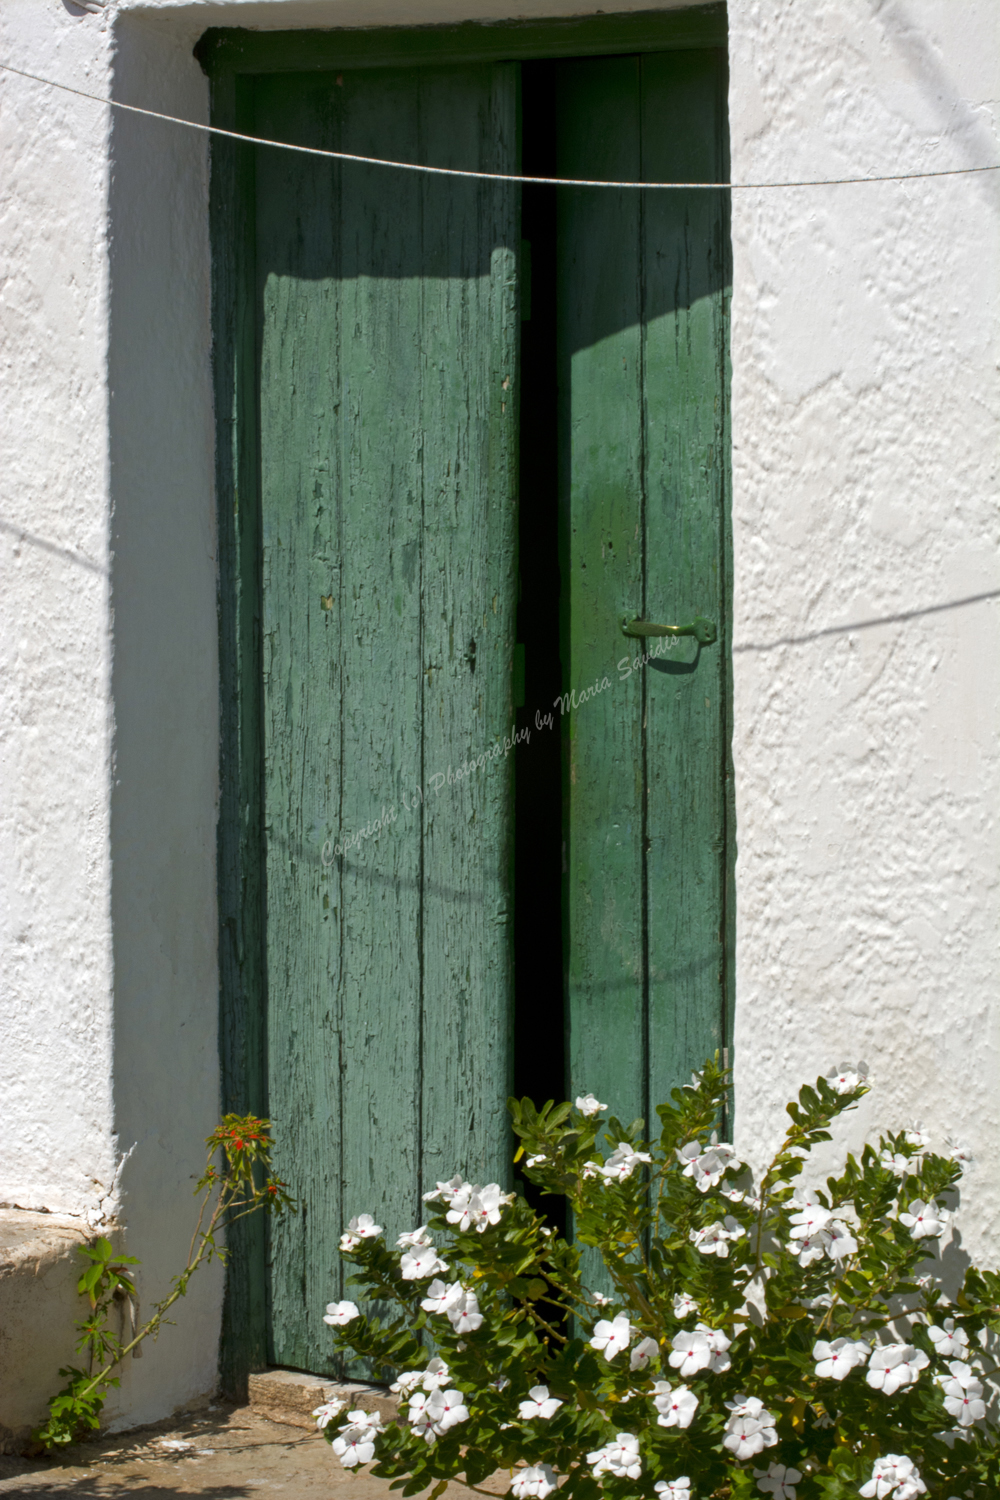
{"type": "Point", "coordinates": [703, 630]}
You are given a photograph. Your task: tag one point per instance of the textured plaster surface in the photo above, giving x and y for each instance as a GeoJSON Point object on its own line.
{"type": "Point", "coordinates": [865, 423]}
{"type": "Point", "coordinates": [56, 1146]}
{"type": "Point", "coordinates": [866, 417]}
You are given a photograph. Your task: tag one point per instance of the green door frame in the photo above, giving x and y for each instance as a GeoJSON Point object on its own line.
{"type": "Point", "coordinates": [231, 58]}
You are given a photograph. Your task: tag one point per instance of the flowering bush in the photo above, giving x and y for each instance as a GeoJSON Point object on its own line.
{"type": "Point", "coordinates": [761, 1338]}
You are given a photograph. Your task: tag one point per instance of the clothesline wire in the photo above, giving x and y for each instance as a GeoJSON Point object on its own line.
{"type": "Point", "coordinates": [511, 177]}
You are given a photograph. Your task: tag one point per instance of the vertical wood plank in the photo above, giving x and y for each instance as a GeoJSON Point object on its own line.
{"type": "Point", "coordinates": [469, 336]}
{"type": "Point", "coordinates": [240, 871]}
{"type": "Point", "coordinates": [379, 458]}
{"type": "Point", "coordinates": [685, 305]}
{"type": "Point", "coordinates": [644, 431]}
{"type": "Point", "coordinates": [298, 359]}
{"type": "Point", "coordinates": [601, 477]}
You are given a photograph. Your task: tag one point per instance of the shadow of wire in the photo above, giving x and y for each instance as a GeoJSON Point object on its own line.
{"type": "Point", "coordinates": [870, 624]}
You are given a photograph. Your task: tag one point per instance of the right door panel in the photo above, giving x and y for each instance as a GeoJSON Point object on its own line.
{"type": "Point", "coordinates": [643, 282]}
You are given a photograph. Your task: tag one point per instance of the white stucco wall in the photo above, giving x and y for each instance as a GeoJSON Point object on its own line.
{"type": "Point", "coordinates": [866, 412]}
{"type": "Point", "coordinates": [866, 419]}
{"type": "Point", "coordinates": [55, 643]}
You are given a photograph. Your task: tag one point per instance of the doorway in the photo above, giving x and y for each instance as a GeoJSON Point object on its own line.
{"type": "Point", "coordinates": [473, 838]}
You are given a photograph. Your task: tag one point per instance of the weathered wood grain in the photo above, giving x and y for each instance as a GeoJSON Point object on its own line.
{"type": "Point", "coordinates": [685, 272]}
{"type": "Point", "coordinates": [470, 398]}
{"type": "Point", "coordinates": [601, 477]}
{"type": "Point", "coordinates": [387, 433]}
{"type": "Point", "coordinates": [643, 373]}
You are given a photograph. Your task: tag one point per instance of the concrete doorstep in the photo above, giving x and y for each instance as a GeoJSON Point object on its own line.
{"type": "Point", "coordinates": [291, 1397]}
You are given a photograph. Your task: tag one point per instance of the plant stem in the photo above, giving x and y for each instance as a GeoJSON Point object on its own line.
{"type": "Point", "coordinates": [153, 1323]}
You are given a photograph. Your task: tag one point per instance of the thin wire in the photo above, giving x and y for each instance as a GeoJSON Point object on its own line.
{"type": "Point", "coordinates": [412, 166]}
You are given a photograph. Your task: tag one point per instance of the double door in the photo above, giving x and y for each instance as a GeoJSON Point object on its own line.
{"type": "Point", "coordinates": [404, 698]}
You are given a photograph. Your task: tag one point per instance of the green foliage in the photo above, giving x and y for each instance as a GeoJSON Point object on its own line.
{"type": "Point", "coordinates": [733, 1294]}
{"type": "Point", "coordinates": [236, 1181]}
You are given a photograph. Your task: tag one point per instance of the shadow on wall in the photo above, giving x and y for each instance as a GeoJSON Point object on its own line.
{"type": "Point", "coordinates": [165, 691]}
{"type": "Point", "coordinates": [960, 122]}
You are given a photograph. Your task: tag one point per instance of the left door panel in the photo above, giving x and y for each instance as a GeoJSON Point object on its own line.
{"type": "Point", "coordinates": [386, 323]}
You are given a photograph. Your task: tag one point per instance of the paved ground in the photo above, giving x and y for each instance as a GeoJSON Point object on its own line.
{"type": "Point", "coordinates": [221, 1453]}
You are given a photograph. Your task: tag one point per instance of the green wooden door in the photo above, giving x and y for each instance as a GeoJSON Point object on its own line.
{"type": "Point", "coordinates": [642, 318]}
{"type": "Point", "coordinates": [367, 359]}
{"type": "Point", "coordinates": [386, 307]}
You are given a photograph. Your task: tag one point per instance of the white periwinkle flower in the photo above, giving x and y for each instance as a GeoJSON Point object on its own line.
{"type": "Point", "coordinates": [643, 1353]}
{"type": "Point", "coordinates": [814, 1248]}
{"type": "Point", "coordinates": [895, 1365]}
{"type": "Point", "coordinates": [364, 1227]}
{"type": "Point", "coordinates": [750, 1428]}
{"type": "Point", "coordinates": [707, 1167]}
{"type": "Point", "coordinates": [436, 1376]}
{"type": "Point", "coordinates": [963, 1393]}
{"type": "Point", "coordinates": [917, 1136]}
{"type": "Point", "coordinates": [895, 1161]}
{"type": "Point", "coordinates": [589, 1104]}
{"type": "Point", "coordinates": [539, 1404]}
{"type": "Point", "coordinates": [808, 1220]}
{"type": "Point", "coordinates": [355, 1443]}
{"type": "Point", "coordinates": [421, 1262]}
{"type": "Point", "coordinates": [328, 1412]}
{"type": "Point", "coordinates": [441, 1297]}
{"type": "Point", "coordinates": [533, 1483]}
{"type": "Point", "coordinates": [620, 1458]}
{"type": "Point", "coordinates": [536, 1161]}
{"type": "Point", "coordinates": [467, 1204]}
{"type": "Point", "coordinates": [701, 1349]}
{"type": "Point", "coordinates": [463, 1313]}
{"type": "Point", "coordinates": [610, 1339]}
{"type": "Point", "coordinates": [620, 1164]}
{"type": "Point", "coordinates": [777, 1480]}
{"type": "Point", "coordinates": [600, 1299]}
{"type": "Point", "coordinates": [339, 1313]}
{"type": "Point", "coordinates": [714, 1238]}
{"type": "Point", "coordinates": [836, 1361]}
{"type": "Point", "coordinates": [431, 1413]}
{"type": "Point", "coordinates": [674, 1489]}
{"type": "Point", "coordinates": [354, 1448]}
{"type": "Point", "coordinates": [842, 1242]}
{"type": "Point", "coordinates": [676, 1407]}
{"type": "Point", "coordinates": [848, 1076]}
{"type": "Point", "coordinates": [406, 1382]}
{"type": "Point", "coordinates": [924, 1220]}
{"type": "Point", "coordinates": [949, 1340]}
{"type": "Point", "coordinates": [961, 1152]}
{"type": "Point", "coordinates": [894, 1475]}
{"type": "Point", "coordinates": [475, 1207]}
{"type": "Point", "coordinates": [455, 1409]}
{"type": "Point", "coordinates": [446, 1192]}
{"type": "Point", "coordinates": [424, 1412]}
{"type": "Point", "coordinates": [684, 1305]}
{"type": "Point", "coordinates": [363, 1421]}
{"type": "Point", "coordinates": [417, 1238]}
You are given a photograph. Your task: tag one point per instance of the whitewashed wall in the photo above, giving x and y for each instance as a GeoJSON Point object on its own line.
{"type": "Point", "coordinates": [866, 417]}
{"type": "Point", "coordinates": [866, 420]}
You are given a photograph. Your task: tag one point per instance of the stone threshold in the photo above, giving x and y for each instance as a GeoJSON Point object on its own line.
{"type": "Point", "coordinates": [291, 1396]}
